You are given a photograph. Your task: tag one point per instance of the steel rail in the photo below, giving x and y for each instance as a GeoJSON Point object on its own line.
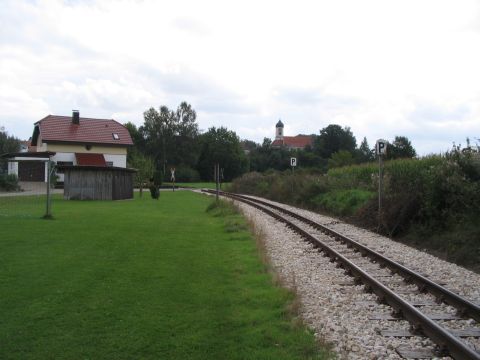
{"type": "Point", "coordinates": [464, 307]}
{"type": "Point", "coordinates": [447, 343]}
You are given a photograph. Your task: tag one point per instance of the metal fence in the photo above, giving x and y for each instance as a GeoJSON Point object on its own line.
{"type": "Point", "coordinates": [26, 188]}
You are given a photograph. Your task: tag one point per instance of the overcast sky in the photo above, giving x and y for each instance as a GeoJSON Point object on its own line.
{"type": "Point", "coordinates": [383, 67]}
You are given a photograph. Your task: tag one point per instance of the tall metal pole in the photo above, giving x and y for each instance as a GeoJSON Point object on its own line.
{"type": "Point", "coordinates": [49, 170]}
{"type": "Point", "coordinates": [380, 186]}
{"type": "Point", "coordinates": [217, 178]}
{"type": "Point", "coordinates": [164, 155]}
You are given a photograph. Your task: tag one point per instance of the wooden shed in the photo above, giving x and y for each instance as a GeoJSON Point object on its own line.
{"type": "Point", "coordinates": [97, 183]}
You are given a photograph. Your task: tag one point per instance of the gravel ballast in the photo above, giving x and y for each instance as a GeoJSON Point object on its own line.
{"type": "Point", "coordinates": [337, 310]}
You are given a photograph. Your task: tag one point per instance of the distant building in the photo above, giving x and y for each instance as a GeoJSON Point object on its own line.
{"type": "Point", "coordinates": [24, 145]}
{"type": "Point", "coordinates": [290, 142]}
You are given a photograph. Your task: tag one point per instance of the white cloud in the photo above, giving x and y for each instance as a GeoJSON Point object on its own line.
{"type": "Point", "coordinates": [384, 68]}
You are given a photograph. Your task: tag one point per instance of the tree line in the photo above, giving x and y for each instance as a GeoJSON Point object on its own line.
{"type": "Point", "coordinates": [172, 139]}
{"type": "Point", "coordinates": [333, 147]}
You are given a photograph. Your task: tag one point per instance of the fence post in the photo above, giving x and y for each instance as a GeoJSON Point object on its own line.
{"type": "Point", "coordinates": [48, 214]}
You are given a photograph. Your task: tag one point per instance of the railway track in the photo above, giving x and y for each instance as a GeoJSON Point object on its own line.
{"type": "Point", "coordinates": [391, 282]}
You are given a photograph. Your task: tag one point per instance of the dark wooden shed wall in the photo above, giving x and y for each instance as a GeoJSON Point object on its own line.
{"type": "Point", "coordinates": [96, 184]}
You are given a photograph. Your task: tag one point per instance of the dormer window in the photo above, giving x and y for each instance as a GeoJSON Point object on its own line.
{"type": "Point", "coordinates": [115, 136]}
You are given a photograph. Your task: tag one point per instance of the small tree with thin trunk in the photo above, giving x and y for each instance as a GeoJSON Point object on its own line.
{"type": "Point", "coordinates": [145, 167]}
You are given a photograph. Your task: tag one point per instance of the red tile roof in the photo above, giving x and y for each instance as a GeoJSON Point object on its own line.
{"type": "Point", "coordinates": [90, 159]}
{"type": "Point", "coordinates": [299, 141]}
{"type": "Point", "coordinates": [96, 131]}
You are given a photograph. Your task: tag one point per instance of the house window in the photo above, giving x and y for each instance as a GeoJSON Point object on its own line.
{"type": "Point", "coordinates": [115, 136]}
{"type": "Point", "coordinates": [109, 163]}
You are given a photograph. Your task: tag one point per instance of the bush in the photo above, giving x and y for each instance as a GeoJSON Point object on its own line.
{"type": "Point", "coordinates": [432, 190]}
{"type": "Point", "coordinates": [249, 183]}
{"type": "Point", "coordinates": [399, 211]}
{"type": "Point", "coordinates": [9, 182]}
{"type": "Point", "coordinates": [342, 202]}
{"type": "Point", "coordinates": [154, 192]}
{"type": "Point", "coordinates": [364, 176]}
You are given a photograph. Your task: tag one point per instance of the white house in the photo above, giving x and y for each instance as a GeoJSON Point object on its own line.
{"type": "Point", "coordinates": [77, 141]}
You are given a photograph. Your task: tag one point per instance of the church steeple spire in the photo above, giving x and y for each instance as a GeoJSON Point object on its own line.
{"type": "Point", "coordinates": [279, 130]}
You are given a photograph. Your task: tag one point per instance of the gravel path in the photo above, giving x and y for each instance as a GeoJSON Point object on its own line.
{"type": "Point", "coordinates": [333, 307]}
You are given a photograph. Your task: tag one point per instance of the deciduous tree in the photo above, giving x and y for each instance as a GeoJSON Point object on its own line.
{"type": "Point", "coordinates": [144, 165]}
{"type": "Point", "coordinates": [220, 145]}
{"type": "Point", "coordinates": [334, 138]}
{"type": "Point", "coordinates": [186, 136]}
{"type": "Point", "coordinates": [170, 137]}
{"type": "Point", "coordinates": [400, 148]}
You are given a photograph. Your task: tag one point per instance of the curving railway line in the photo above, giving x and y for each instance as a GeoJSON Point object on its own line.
{"type": "Point", "coordinates": [375, 272]}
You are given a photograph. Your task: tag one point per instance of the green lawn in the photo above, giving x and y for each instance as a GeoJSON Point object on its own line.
{"type": "Point", "coordinates": [140, 279]}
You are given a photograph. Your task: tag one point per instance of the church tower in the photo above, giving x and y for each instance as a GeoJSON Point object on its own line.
{"type": "Point", "coordinates": [279, 130]}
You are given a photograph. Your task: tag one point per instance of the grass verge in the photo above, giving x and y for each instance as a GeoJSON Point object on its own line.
{"type": "Point", "coordinates": [141, 279]}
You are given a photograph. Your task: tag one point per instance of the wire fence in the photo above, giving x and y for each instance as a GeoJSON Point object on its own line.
{"type": "Point", "coordinates": [25, 190]}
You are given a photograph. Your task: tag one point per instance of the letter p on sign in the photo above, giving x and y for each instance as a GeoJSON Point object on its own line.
{"type": "Point", "coordinates": [293, 161]}
{"type": "Point", "coordinates": [381, 147]}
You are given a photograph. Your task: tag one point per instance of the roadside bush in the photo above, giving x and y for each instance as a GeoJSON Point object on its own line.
{"type": "Point", "coordinates": [9, 182]}
{"type": "Point", "coordinates": [305, 188]}
{"type": "Point", "coordinates": [432, 190]}
{"type": "Point", "coordinates": [449, 193]}
{"type": "Point", "coordinates": [363, 176]}
{"type": "Point", "coordinates": [342, 202]}
{"type": "Point", "coordinates": [457, 241]}
{"type": "Point", "coordinates": [248, 183]}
